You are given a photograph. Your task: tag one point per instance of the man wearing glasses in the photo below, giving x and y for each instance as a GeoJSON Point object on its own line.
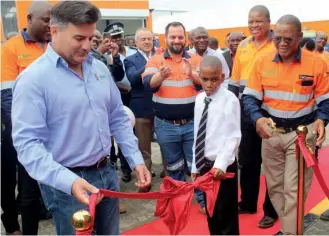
{"type": "Point", "coordinates": [287, 88]}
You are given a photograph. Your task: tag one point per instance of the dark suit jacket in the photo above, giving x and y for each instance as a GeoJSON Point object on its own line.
{"type": "Point", "coordinates": [228, 58]}
{"type": "Point", "coordinates": [141, 99]}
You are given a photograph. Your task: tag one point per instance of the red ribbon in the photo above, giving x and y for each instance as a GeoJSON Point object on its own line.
{"type": "Point", "coordinates": [173, 201]}
{"type": "Point", "coordinates": [311, 161]}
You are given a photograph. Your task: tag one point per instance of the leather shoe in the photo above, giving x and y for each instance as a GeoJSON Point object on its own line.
{"type": "Point", "coordinates": [266, 222]}
{"type": "Point", "coordinates": [325, 215]}
{"type": "Point", "coordinates": [122, 209]}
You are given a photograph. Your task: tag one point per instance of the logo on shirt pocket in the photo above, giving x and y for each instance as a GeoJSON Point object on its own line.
{"type": "Point", "coordinates": [100, 76]}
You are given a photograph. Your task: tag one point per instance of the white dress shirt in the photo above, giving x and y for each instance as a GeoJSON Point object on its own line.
{"type": "Point", "coordinates": [226, 69]}
{"type": "Point", "coordinates": [223, 133]}
{"type": "Point", "coordinates": [147, 58]}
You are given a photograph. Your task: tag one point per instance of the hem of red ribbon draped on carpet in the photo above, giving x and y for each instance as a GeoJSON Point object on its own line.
{"type": "Point", "coordinates": [311, 161]}
{"type": "Point", "coordinates": [169, 205]}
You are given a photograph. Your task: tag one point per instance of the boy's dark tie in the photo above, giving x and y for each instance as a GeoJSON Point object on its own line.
{"type": "Point", "coordinates": [201, 137]}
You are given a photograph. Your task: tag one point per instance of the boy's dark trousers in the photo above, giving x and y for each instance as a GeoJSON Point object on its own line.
{"type": "Point", "coordinates": [225, 220]}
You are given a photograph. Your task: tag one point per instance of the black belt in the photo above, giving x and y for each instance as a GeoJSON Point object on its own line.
{"type": "Point", "coordinates": [177, 122]}
{"type": "Point", "coordinates": [99, 164]}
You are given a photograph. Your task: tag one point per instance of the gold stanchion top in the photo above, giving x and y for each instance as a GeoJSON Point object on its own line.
{"type": "Point", "coordinates": [81, 220]}
{"type": "Point", "coordinates": [302, 130]}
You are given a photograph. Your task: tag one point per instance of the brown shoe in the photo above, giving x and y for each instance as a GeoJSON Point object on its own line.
{"type": "Point", "coordinates": [202, 210]}
{"type": "Point", "coordinates": [122, 209]}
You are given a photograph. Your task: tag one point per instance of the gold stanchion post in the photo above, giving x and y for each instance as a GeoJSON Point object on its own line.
{"type": "Point", "coordinates": [81, 220]}
{"type": "Point", "coordinates": [301, 132]}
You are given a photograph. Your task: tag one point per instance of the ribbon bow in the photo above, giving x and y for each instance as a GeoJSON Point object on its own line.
{"type": "Point", "coordinates": [173, 201]}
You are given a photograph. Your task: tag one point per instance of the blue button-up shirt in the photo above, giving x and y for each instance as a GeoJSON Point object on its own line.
{"type": "Point", "coordinates": [62, 120]}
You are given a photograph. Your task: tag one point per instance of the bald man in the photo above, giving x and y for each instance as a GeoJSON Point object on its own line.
{"type": "Point", "coordinates": [320, 42]}
{"type": "Point", "coordinates": [17, 54]}
{"type": "Point", "coordinates": [250, 158]}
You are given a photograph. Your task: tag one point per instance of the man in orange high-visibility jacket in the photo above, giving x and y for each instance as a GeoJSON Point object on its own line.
{"type": "Point", "coordinates": [250, 158]}
{"type": "Point", "coordinates": [289, 87]}
{"type": "Point", "coordinates": [16, 54]}
{"type": "Point", "coordinates": [172, 77]}
{"type": "Point", "coordinates": [320, 42]}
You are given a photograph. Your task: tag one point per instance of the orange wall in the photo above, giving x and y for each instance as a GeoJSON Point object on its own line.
{"type": "Point", "coordinates": [2, 38]}
{"type": "Point", "coordinates": [22, 7]}
{"type": "Point", "coordinates": [220, 34]}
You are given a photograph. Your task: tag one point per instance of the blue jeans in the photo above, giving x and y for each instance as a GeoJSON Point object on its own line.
{"type": "Point", "coordinates": [176, 142]}
{"type": "Point", "coordinates": [63, 206]}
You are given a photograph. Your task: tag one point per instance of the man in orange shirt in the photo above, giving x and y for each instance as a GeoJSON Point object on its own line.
{"type": "Point", "coordinates": [17, 54]}
{"type": "Point", "coordinates": [250, 158]}
{"type": "Point", "coordinates": [286, 89]}
{"type": "Point", "coordinates": [172, 77]}
{"type": "Point", "coordinates": [320, 42]}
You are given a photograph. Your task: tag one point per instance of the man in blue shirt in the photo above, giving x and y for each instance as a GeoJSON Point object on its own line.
{"type": "Point", "coordinates": [66, 107]}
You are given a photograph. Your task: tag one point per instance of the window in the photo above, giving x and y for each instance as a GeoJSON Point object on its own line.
{"type": "Point", "coordinates": [8, 15]}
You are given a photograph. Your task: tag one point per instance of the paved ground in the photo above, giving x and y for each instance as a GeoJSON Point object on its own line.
{"type": "Point", "coordinates": [140, 212]}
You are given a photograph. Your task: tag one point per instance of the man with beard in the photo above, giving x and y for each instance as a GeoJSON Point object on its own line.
{"type": "Point", "coordinates": [320, 42]}
{"type": "Point", "coordinates": [67, 107]}
{"type": "Point", "coordinates": [233, 41]}
{"type": "Point", "coordinates": [201, 47]}
{"type": "Point", "coordinates": [287, 88]}
{"type": "Point", "coordinates": [250, 158]}
{"type": "Point", "coordinates": [172, 77]}
{"type": "Point", "coordinates": [17, 54]}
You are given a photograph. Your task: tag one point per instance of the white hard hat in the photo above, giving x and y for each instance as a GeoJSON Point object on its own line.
{"type": "Point", "coordinates": [131, 116]}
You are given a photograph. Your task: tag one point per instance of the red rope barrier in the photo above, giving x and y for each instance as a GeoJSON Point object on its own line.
{"type": "Point", "coordinates": [312, 162]}
{"type": "Point", "coordinates": [173, 200]}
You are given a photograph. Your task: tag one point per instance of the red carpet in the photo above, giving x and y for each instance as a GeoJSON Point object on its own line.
{"type": "Point", "coordinates": [197, 224]}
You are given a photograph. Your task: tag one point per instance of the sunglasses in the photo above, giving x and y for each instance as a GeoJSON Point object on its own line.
{"type": "Point", "coordinates": [287, 40]}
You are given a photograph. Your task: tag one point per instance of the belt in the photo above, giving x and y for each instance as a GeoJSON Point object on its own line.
{"type": "Point", "coordinates": [285, 130]}
{"type": "Point", "coordinates": [177, 122]}
{"type": "Point", "coordinates": [99, 164]}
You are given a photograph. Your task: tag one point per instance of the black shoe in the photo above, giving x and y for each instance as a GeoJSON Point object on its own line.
{"type": "Point", "coordinates": [245, 211]}
{"type": "Point", "coordinates": [266, 222]}
{"type": "Point", "coordinates": [126, 178]}
{"type": "Point", "coordinates": [279, 233]}
{"type": "Point", "coordinates": [153, 174]}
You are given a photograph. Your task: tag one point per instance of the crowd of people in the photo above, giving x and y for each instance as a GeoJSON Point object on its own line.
{"type": "Point", "coordinates": [64, 86]}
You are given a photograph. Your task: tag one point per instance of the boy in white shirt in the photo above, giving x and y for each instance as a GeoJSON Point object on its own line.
{"type": "Point", "coordinates": [217, 136]}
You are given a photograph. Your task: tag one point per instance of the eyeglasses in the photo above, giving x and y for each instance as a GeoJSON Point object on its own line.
{"type": "Point", "coordinates": [287, 40]}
